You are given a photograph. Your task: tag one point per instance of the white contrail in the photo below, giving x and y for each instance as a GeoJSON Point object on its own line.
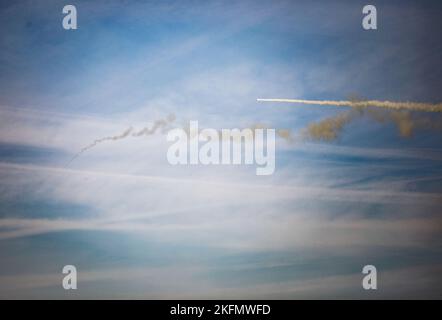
{"type": "Point", "coordinates": [411, 106]}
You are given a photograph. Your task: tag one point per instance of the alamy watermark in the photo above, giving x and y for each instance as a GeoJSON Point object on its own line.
{"type": "Point", "coordinates": [70, 278]}
{"type": "Point", "coordinates": [369, 21]}
{"type": "Point", "coordinates": [370, 281]}
{"type": "Point", "coordinates": [226, 146]}
{"type": "Point", "coordinates": [70, 19]}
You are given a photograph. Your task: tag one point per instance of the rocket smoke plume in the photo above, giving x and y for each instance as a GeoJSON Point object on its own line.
{"type": "Point", "coordinates": [394, 105]}
{"type": "Point", "coordinates": [406, 122]}
{"type": "Point", "coordinates": [158, 124]}
{"type": "Point", "coordinates": [398, 113]}
{"type": "Point", "coordinates": [329, 128]}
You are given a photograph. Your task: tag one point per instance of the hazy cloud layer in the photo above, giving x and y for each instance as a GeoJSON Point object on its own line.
{"type": "Point", "coordinates": [137, 227]}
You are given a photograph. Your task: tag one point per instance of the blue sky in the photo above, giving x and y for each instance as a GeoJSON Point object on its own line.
{"type": "Point", "coordinates": [137, 227]}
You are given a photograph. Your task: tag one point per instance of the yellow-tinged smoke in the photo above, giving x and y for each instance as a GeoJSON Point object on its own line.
{"type": "Point", "coordinates": [406, 122]}
{"type": "Point", "coordinates": [399, 113]}
{"type": "Point", "coordinates": [329, 129]}
{"type": "Point", "coordinates": [395, 105]}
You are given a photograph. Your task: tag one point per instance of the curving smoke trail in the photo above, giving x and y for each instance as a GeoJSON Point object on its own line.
{"type": "Point", "coordinates": [158, 124]}
{"type": "Point", "coordinates": [97, 141]}
{"type": "Point", "coordinates": [395, 105]}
